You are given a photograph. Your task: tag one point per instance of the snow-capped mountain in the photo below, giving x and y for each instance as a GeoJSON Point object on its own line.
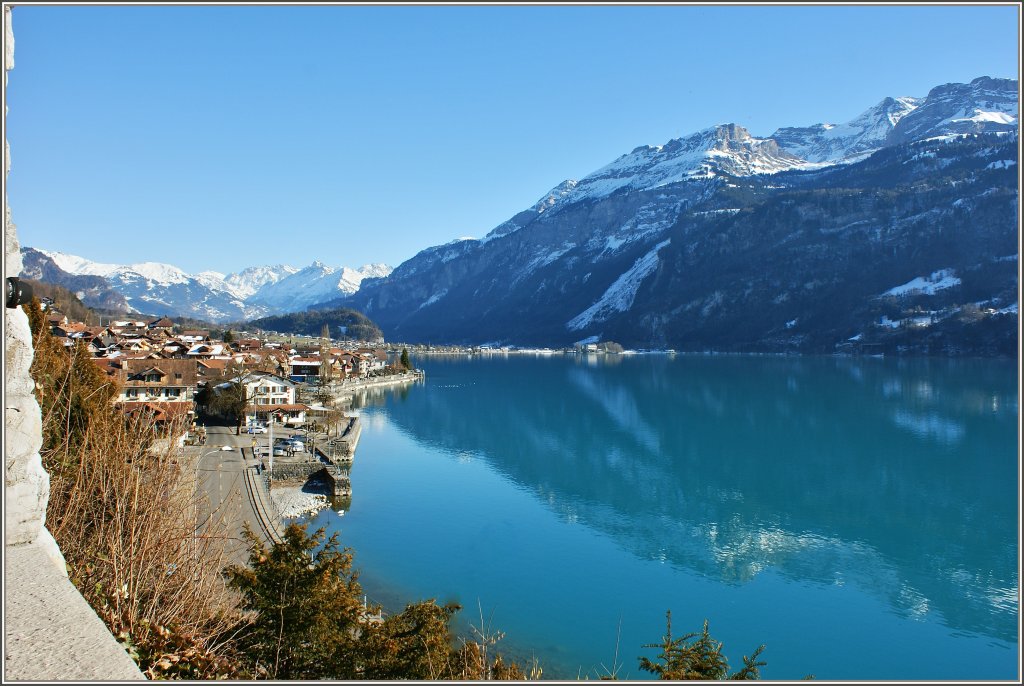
{"type": "Point", "coordinates": [163, 289]}
{"type": "Point", "coordinates": [983, 105]}
{"type": "Point", "coordinates": [724, 149]}
{"type": "Point", "coordinates": [252, 279]}
{"type": "Point", "coordinates": [725, 240]}
{"type": "Point", "coordinates": [846, 142]}
{"type": "Point", "coordinates": [315, 284]}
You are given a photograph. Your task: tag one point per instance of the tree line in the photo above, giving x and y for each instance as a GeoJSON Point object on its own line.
{"type": "Point", "coordinates": [342, 323]}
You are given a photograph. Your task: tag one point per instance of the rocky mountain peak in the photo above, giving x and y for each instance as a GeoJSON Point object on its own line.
{"type": "Point", "coordinates": [984, 105]}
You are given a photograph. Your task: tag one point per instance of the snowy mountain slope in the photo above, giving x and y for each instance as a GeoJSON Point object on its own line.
{"type": "Point", "coordinates": [620, 295]}
{"type": "Point", "coordinates": [314, 284]}
{"type": "Point", "coordinates": [93, 290]}
{"type": "Point", "coordinates": [723, 149]}
{"type": "Point", "coordinates": [858, 137]}
{"type": "Point", "coordinates": [249, 280]}
{"type": "Point", "coordinates": [162, 289]}
{"type": "Point", "coordinates": [983, 105]}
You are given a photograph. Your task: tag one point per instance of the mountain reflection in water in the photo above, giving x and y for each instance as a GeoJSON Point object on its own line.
{"type": "Point", "coordinates": [899, 477]}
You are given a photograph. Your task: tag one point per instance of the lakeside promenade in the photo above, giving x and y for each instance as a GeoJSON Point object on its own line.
{"type": "Point", "coordinates": [240, 488]}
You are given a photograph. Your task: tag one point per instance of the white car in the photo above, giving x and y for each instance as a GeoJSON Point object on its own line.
{"type": "Point", "coordinates": [293, 443]}
{"type": "Point", "coordinates": [256, 429]}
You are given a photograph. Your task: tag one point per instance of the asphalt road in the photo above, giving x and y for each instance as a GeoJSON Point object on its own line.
{"type": "Point", "coordinates": [223, 498]}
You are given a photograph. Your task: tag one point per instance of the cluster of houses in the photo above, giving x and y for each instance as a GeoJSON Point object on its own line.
{"type": "Point", "coordinates": [159, 369]}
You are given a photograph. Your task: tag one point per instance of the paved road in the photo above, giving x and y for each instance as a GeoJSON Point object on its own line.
{"type": "Point", "coordinates": [221, 480]}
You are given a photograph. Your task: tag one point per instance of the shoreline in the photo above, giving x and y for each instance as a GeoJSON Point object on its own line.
{"type": "Point", "coordinates": [294, 500]}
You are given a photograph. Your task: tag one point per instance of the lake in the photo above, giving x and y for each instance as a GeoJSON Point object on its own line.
{"type": "Point", "coordinates": [859, 516]}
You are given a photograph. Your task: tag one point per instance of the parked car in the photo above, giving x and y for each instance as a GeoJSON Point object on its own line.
{"type": "Point", "coordinates": [256, 429]}
{"type": "Point", "coordinates": [293, 443]}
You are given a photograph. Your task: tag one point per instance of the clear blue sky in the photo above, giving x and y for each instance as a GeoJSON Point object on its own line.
{"type": "Point", "coordinates": [216, 138]}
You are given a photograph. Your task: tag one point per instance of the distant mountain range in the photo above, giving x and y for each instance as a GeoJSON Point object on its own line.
{"type": "Point", "coordinates": [808, 240]}
{"type": "Point", "coordinates": [896, 231]}
{"type": "Point", "coordinates": [160, 289]}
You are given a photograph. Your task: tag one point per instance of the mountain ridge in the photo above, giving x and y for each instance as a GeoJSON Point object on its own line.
{"type": "Point", "coordinates": [161, 289]}
{"type": "Point", "coordinates": [602, 256]}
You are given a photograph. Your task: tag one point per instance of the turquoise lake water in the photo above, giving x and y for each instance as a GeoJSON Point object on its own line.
{"type": "Point", "coordinates": [857, 516]}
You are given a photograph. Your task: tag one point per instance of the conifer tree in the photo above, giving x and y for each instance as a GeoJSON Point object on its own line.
{"type": "Point", "coordinates": [70, 387]}
{"type": "Point", "coordinates": [303, 597]}
{"type": "Point", "coordinates": [686, 659]}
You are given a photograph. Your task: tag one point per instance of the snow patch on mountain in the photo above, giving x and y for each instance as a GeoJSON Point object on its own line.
{"type": "Point", "coordinates": [983, 116]}
{"type": "Point", "coordinates": [983, 105]}
{"type": "Point", "coordinates": [555, 195]}
{"type": "Point", "coordinates": [73, 264]}
{"type": "Point", "coordinates": [433, 299]}
{"type": "Point", "coordinates": [926, 285]}
{"type": "Point", "coordinates": [620, 295]}
{"type": "Point", "coordinates": [543, 260]}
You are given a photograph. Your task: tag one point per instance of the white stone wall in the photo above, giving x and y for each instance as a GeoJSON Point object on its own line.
{"type": "Point", "coordinates": [26, 484]}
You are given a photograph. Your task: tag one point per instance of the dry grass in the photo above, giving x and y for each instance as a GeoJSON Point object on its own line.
{"type": "Point", "coordinates": [124, 515]}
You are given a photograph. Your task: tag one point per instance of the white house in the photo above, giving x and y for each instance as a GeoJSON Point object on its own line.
{"type": "Point", "coordinates": [270, 395]}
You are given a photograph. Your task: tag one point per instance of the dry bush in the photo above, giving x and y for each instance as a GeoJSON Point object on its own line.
{"type": "Point", "coordinates": [477, 660]}
{"type": "Point", "coordinates": [125, 519]}
{"type": "Point", "coordinates": [124, 515]}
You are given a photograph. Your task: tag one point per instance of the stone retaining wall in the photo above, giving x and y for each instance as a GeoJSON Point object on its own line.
{"type": "Point", "coordinates": [294, 471]}
{"type": "Point", "coordinates": [301, 472]}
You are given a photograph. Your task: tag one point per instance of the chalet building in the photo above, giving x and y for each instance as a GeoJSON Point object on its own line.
{"type": "Point", "coordinates": [127, 327]}
{"type": "Point", "coordinates": [158, 380]}
{"type": "Point", "coordinates": [304, 367]}
{"type": "Point", "coordinates": [159, 390]}
{"type": "Point", "coordinates": [349, 364]}
{"type": "Point", "coordinates": [134, 345]}
{"type": "Point", "coordinates": [163, 324]}
{"type": "Point", "coordinates": [206, 350]}
{"type": "Point", "coordinates": [376, 358]}
{"type": "Point", "coordinates": [56, 319]}
{"type": "Point", "coordinates": [249, 345]}
{"type": "Point", "coordinates": [270, 397]}
{"type": "Point", "coordinates": [194, 336]}
{"type": "Point", "coordinates": [100, 343]}
{"type": "Point", "coordinates": [212, 368]}
{"type": "Point", "coordinates": [175, 349]}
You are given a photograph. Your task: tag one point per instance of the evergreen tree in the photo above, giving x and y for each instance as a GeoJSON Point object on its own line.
{"type": "Point", "coordinates": [307, 621]}
{"type": "Point", "coordinates": [686, 659]}
{"type": "Point", "coordinates": [304, 600]}
{"type": "Point", "coordinates": [70, 387]}
{"type": "Point", "coordinates": [406, 364]}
